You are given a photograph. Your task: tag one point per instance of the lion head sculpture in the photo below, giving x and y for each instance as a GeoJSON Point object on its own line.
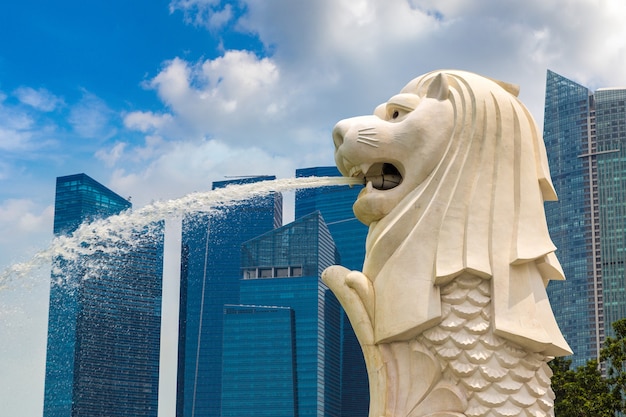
{"type": "Point", "coordinates": [456, 176]}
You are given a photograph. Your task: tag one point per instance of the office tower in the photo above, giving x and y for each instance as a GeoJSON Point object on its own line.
{"type": "Point", "coordinates": [105, 314]}
{"type": "Point", "coordinates": [281, 343]}
{"type": "Point", "coordinates": [585, 135]}
{"type": "Point", "coordinates": [335, 204]}
{"type": "Point", "coordinates": [210, 276]}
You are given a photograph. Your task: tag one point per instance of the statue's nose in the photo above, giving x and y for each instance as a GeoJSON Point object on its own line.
{"type": "Point", "coordinates": [339, 132]}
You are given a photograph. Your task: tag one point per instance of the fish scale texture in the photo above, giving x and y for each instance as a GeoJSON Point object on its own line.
{"type": "Point", "coordinates": [499, 378]}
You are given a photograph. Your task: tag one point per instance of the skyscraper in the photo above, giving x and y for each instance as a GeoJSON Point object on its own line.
{"type": "Point", "coordinates": [335, 205]}
{"type": "Point", "coordinates": [585, 135]}
{"type": "Point", "coordinates": [210, 277]}
{"type": "Point", "coordinates": [282, 342]}
{"type": "Point", "coordinates": [105, 313]}
{"type": "Point", "coordinates": [221, 296]}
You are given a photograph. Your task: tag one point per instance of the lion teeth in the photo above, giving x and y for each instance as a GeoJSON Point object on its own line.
{"type": "Point", "coordinates": [365, 168]}
{"type": "Point", "coordinates": [384, 181]}
{"type": "Point", "coordinates": [355, 172]}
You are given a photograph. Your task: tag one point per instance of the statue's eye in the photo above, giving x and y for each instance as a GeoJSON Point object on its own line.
{"type": "Point", "coordinates": [395, 112]}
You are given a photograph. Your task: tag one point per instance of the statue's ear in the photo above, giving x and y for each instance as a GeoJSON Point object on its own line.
{"type": "Point", "coordinates": [439, 88]}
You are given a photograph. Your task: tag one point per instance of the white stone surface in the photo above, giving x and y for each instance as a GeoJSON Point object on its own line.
{"type": "Point", "coordinates": [450, 308]}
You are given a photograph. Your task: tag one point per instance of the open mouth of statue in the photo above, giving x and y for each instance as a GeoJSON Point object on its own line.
{"type": "Point", "coordinates": [382, 176]}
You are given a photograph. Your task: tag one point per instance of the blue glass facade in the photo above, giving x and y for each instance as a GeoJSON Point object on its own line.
{"type": "Point", "coordinates": [259, 360]}
{"type": "Point", "coordinates": [335, 204]}
{"type": "Point", "coordinates": [584, 132]}
{"type": "Point", "coordinates": [284, 307]}
{"type": "Point", "coordinates": [104, 330]}
{"type": "Point", "coordinates": [610, 118]}
{"type": "Point", "coordinates": [210, 279]}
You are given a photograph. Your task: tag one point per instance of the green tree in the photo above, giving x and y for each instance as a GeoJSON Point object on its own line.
{"type": "Point", "coordinates": [585, 391]}
{"type": "Point", "coordinates": [613, 355]}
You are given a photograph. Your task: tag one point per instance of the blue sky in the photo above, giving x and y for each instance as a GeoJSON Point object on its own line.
{"type": "Point", "coordinates": [157, 98]}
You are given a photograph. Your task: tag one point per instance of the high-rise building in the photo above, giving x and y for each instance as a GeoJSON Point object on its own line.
{"type": "Point", "coordinates": [282, 342]}
{"type": "Point", "coordinates": [105, 314]}
{"type": "Point", "coordinates": [221, 318]}
{"type": "Point", "coordinates": [211, 244]}
{"type": "Point", "coordinates": [335, 205]}
{"type": "Point", "coordinates": [585, 135]}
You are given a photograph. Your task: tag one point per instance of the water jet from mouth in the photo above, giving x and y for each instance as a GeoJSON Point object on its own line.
{"type": "Point", "coordinates": [104, 235]}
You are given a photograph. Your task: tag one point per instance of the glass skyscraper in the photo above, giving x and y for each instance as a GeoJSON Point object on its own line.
{"type": "Point", "coordinates": [282, 342]}
{"type": "Point", "coordinates": [349, 234]}
{"type": "Point", "coordinates": [105, 314]}
{"type": "Point", "coordinates": [585, 135]}
{"type": "Point", "coordinates": [210, 274]}
{"type": "Point", "coordinates": [335, 204]}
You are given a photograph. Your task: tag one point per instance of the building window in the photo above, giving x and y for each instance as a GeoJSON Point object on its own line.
{"type": "Point", "coordinates": [272, 272]}
{"type": "Point", "coordinates": [296, 271]}
{"type": "Point", "coordinates": [265, 272]}
{"type": "Point", "coordinates": [249, 273]}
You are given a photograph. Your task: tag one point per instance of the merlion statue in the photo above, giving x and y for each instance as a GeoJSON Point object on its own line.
{"type": "Point", "coordinates": [451, 309]}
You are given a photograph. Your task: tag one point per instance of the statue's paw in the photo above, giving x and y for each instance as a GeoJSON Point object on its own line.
{"type": "Point", "coordinates": [358, 281]}
{"type": "Point", "coordinates": [354, 292]}
{"type": "Point", "coordinates": [343, 281]}
{"type": "Point", "coordinates": [335, 276]}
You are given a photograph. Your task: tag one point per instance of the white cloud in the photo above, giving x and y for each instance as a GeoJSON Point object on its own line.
{"type": "Point", "coordinates": [25, 228]}
{"type": "Point", "coordinates": [20, 131]}
{"type": "Point", "coordinates": [239, 75]}
{"type": "Point", "coordinates": [122, 154]}
{"type": "Point", "coordinates": [154, 146]}
{"type": "Point", "coordinates": [92, 118]}
{"type": "Point", "coordinates": [187, 166]}
{"type": "Point", "coordinates": [206, 91]}
{"type": "Point", "coordinates": [219, 18]}
{"type": "Point", "coordinates": [341, 46]}
{"type": "Point", "coordinates": [208, 13]}
{"type": "Point", "coordinates": [332, 59]}
{"type": "Point", "coordinates": [237, 97]}
{"type": "Point", "coordinates": [23, 216]}
{"type": "Point", "coordinates": [146, 121]}
{"type": "Point", "coordinates": [584, 39]}
{"type": "Point", "coordinates": [16, 129]}
{"type": "Point", "coordinates": [112, 155]}
{"type": "Point", "coordinates": [40, 99]}
{"type": "Point", "coordinates": [11, 139]}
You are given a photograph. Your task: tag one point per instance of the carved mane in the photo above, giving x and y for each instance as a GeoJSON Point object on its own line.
{"type": "Point", "coordinates": [480, 211]}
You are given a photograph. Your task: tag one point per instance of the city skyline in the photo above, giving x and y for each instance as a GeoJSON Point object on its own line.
{"type": "Point", "coordinates": [303, 249]}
